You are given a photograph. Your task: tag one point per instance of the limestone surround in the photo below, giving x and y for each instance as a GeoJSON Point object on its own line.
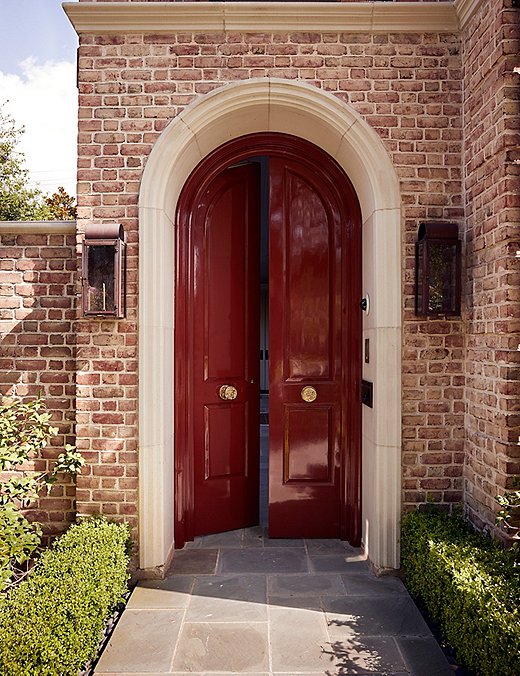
{"type": "Point", "coordinates": [229, 112]}
{"type": "Point", "coordinates": [164, 17]}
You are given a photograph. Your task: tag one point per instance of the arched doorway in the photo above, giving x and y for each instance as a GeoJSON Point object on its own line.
{"type": "Point", "coordinates": [312, 267]}
{"type": "Point", "coordinates": [230, 112]}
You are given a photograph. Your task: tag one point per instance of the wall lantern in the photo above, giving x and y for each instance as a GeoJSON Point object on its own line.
{"type": "Point", "coordinates": [437, 269]}
{"type": "Point", "coordinates": [104, 270]}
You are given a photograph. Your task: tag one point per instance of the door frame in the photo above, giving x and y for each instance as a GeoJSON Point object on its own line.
{"type": "Point", "coordinates": [239, 149]}
{"type": "Point", "coordinates": [230, 111]}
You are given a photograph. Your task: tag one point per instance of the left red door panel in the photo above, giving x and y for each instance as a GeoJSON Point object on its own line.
{"type": "Point", "coordinates": [225, 324]}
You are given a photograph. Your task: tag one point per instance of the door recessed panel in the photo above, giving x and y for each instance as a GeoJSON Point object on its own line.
{"type": "Point", "coordinates": [307, 451]}
{"type": "Point", "coordinates": [225, 277]}
{"type": "Point", "coordinates": [225, 429]}
{"type": "Point", "coordinates": [308, 282]}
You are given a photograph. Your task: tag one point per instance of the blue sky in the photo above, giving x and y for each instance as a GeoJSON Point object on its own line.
{"type": "Point", "coordinates": [37, 79]}
{"type": "Point", "coordinates": [34, 28]}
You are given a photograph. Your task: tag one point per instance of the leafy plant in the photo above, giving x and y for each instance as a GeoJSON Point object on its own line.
{"type": "Point", "coordinates": [470, 586]}
{"type": "Point", "coordinates": [509, 515]}
{"type": "Point", "coordinates": [52, 623]}
{"type": "Point", "coordinates": [25, 430]}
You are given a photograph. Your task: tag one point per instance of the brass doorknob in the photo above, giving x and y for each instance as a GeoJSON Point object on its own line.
{"type": "Point", "coordinates": [309, 393]}
{"type": "Point", "coordinates": [228, 392]}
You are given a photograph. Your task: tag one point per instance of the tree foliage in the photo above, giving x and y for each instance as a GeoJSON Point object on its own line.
{"type": "Point", "coordinates": [61, 205]}
{"type": "Point", "coordinates": [18, 200]}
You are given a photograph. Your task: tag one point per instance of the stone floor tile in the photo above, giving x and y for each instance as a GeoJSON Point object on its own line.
{"type": "Point", "coordinates": [194, 562]}
{"type": "Point", "coordinates": [268, 560]}
{"type": "Point", "coordinates": [363, 656]}
{"type": "Point", "coordinates": [285, 542]}
{"type": "Point", "coordinates": [318, 546]}
{"type": "Point", "coordinates": [298, 640]}
{"type": "Point", "coordinates": [235, 587]}
{"type": "Point", "coordinates": [358, 584]}
{"type": "Point", "coordinates": [374, 616]}
{"type": "Point", "coordinates": [424, 657]}
{"type": "Point", "coordinates": [173, 592]}
{"type": "Point", "coordinates": [305, 585]}
{"type": "Point", "coordinates": [232, 538]}
{"type": "Point", "coordinates": [253, 537]}
{"type": "Point", "coordinates": [336, 563]}
{"type": "Point", "coordinates": [143, 640]}
{"type": "Point", "coordinates": [238, 647]}
{"type": "Point", "coordinates": [302, 602]}
{"type": "Point", "coordinates": [225, 598]}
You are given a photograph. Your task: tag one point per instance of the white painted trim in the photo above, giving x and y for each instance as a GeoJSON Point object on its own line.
{"type": "Point", "coordinates": [167, 17]}
{"type": "Point", "coordinates": [321, 118]}
{"type": "Point", "coordinates": [38, 227]}
{"type": "Point", "coordinates": [466, 10]}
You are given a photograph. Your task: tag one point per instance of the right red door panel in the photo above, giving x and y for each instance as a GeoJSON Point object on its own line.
{"type": "Point", "coordinates": [306, 376]}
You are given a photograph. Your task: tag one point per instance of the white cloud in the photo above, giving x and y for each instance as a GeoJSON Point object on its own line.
{"type": "Point", "coordinates": [44, 100]}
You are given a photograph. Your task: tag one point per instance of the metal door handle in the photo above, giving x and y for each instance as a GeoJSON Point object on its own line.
{"type": "Point", "coordinates": [228, 392]}
{"type": "Point", "coordinates": [309, 394]}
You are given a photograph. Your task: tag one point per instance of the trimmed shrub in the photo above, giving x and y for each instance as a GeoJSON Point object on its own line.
{"type": "Point", "coordinates": [469, 585]}
{"type": "Point", "coordinates": [52, 623]}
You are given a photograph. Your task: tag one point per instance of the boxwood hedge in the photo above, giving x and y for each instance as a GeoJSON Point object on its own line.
{"type": "Point", "coordinates": [469, 585]}
{"type": "Point", "coordinates": [52, 623]}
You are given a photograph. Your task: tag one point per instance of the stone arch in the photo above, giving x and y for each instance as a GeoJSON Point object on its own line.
{"type": "Point", "coordinates": [321, 118]}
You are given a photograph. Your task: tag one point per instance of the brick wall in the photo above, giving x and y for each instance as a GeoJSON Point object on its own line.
{"type": "Point", "coordinates": [407, 86]}
{"type": "Point", "coordinates": [492, 123]}
{"type": "Point", "coordinates": [37, 342]}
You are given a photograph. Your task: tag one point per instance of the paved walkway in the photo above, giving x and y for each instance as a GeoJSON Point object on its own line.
{"type": "Point", "coordinates": [241, 603]}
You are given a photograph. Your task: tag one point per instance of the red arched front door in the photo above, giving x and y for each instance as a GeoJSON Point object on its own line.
{"type": "Point", "coordinates": [314, 343]}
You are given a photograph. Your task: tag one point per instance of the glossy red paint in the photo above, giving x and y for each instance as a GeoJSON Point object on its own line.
{"type": "Point", "coordinates": [225, 231]}
{"type": "Point", "coordinates": [315, 283]}
{"type": "Point", "coordinates": [307, 260]}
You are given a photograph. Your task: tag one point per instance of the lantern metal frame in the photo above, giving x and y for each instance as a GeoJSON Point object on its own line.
{"type": "Point", "coordinates": [438, 270]}
{"type": "Point", "coordinates": [103, 271]}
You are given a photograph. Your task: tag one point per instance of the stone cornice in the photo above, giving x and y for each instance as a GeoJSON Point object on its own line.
{"type": "Point", "coordinates": [465, 10]}
{"type": "Point", "coordinates": [37, 227]}
{"type": "Point", "coordinates": [170, 17]}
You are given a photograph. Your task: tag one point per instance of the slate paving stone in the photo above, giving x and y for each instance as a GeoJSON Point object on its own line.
{"type": "Point", "coordinates": [173, 592]}
{"type": "Point", "coordinates": [305, 585]}
{"type": "Point", "coordinates": [298, 638]}
{"type": "Point", "coordinates": [303, 602]}
{"type": "Point", "coordinates": [336, 563]}
{"type": "Point", "coordinates": [277, 542]}
{"type": "Point", "coordinates": [229, 539]}
{"type": "Point", "coordinates": [253, 537]}
{"type": "Point", "coordinates": [318, 546]}
{"type": "Point", "coordinates": [268, 560]}
{"type": "Point", "coordinates": [235, 647]}
{"type": "Point", "coordinates": [424, 656]}
{"type": "Point", "coordinates": [381, 616]}
{"type": "Point", "coordinates": [225, 598]}
{"type": "Point", "coordinates": [143, 641]}
{"type": "Point", "coordinates": [194, 562]}
{"type": "Point", "coordinates": [237, 603]}
{"type": "Point", "coordinates": [366, 655]}
{"type": "Point", "coordinates": [369, 585]}
{"type": "Point", "coordinates": [236, 587]}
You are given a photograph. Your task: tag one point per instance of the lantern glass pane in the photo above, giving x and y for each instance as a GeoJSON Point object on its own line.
{"type": "Point", "coordinates": [100, 279]}
{"type": "Point", "coordinates": [442, 277]}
